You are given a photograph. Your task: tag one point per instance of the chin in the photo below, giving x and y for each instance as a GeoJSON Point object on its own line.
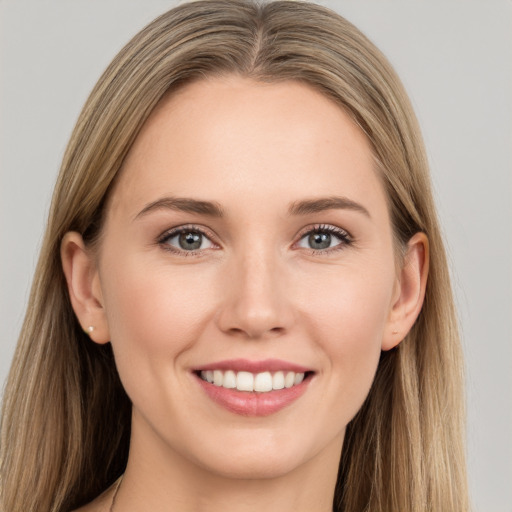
{"type": "Point", "coordinates": [255, 467]}
{"type": "Point", "coordinates": [266, 456]}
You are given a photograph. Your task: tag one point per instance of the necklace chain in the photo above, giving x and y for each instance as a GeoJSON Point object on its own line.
{"type": "Point", "coordinates": [111, 509]}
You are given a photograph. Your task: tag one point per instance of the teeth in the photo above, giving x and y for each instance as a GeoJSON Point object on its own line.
{"type": "Point", "coordinates": [299, 377]}
{"type": "Point", "coordinates": [245, 381]}
{"type": "Point", "coordinates": [218, 378]}
{"type": "Point", "coordinates": [278, 380]}
{"type": "Point", "coordinates": [263, 382]}
{"type": "Point", "coordinates": [229, 380]}
{"type": "Point", "coordinates": [289, 380]}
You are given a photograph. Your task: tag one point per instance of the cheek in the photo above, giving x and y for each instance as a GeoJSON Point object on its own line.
{"type": "Point", "coordinates": [347, 322]}
{"type": "Point", "coordinates": [153, 316]}
{"type": "Point", "coordinates": [352, 305]}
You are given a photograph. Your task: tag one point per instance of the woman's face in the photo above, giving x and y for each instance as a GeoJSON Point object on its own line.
{"type": "Point", "coordinates": [248, 236]}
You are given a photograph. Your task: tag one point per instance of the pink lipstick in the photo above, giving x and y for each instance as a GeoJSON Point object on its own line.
{"type": "Point", "coordinates": [253, 388]}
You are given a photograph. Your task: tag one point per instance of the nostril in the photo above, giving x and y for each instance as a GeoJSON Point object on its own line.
{"type": "Point", "coordinates": [277, 331]}
{"type": "Point", "coordinates": [253, 332]}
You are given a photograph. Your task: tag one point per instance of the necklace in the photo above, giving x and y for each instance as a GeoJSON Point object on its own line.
{"type": "Point", "coordinates": [111, 509]}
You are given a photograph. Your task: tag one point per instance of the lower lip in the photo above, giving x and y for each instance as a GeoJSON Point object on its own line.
{"type": "Point", "coordinates": [247, 403]}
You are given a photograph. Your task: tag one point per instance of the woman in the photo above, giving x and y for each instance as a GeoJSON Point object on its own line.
{"type": "Point", "coordinates": [244, 203]}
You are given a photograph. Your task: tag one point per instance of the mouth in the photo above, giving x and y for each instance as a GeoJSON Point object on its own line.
{"type": "Point", "coordinates": [254, 388]}
{"type": "Point", "coordinates": [262, 382]}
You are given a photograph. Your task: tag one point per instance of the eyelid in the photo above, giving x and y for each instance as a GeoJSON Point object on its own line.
{"type": "Point", "coordinates": [184, 228]}
{"type": "Point", "coordinates": [346, 238]}
{"type": "Point", "coordinates": [323, 227]}
{"type": "Point", "coordinates": [341, 233]}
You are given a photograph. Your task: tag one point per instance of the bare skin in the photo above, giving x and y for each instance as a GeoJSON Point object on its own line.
{"type": "Point", "coordinates": [294, 261]}
{"type": "Point", "coordinates": [102, 503]}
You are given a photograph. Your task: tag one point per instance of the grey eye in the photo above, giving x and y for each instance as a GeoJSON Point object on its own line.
{"type": "Point", "coordinates": [319, 240]}
{"type": "Point", "coordinates": [189, 241]}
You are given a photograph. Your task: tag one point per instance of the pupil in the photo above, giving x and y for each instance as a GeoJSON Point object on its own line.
{"type": "Point", "coordinates": [190, 241]}
{"type": "Point", "coordinates": [320, 240]}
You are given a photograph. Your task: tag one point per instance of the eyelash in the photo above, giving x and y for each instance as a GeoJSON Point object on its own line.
{"type": "Point", "coordinates": [343, 235]}
{"type": "Point", "coordinates": [189, 228]}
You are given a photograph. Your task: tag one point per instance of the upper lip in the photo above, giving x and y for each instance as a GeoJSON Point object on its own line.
{"type": "Point", "coordinates": [246, 365]}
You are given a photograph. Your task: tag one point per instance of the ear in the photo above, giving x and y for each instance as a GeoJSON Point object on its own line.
{"type": "Point", "coordinates": [409, 293]}
{"type": "Point", "coordinates": [84, 287]}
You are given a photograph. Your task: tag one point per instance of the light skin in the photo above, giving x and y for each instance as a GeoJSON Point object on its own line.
{"type": "Point", "coordinates": [296, 261]}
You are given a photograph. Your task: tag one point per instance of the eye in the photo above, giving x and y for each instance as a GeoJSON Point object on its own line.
{"type": "Point", "coordinates": [186, 240]}
{"type": "Point", "coordinates": [323, 238]}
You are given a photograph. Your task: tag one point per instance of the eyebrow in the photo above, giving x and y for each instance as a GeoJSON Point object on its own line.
{"type": "Point", "coordinates": [309, 206]}
{"type": "Point", "coordinates": [183, 204]}
{"type": "Point", "coordinates": [213, 209]}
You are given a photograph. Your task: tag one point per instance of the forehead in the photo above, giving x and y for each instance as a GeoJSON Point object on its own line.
{"type": "Point", "coordinates": [231, 137]}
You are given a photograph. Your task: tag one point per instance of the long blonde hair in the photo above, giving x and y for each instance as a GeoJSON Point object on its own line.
{"type": "Point", "coordinates": [66, 418]}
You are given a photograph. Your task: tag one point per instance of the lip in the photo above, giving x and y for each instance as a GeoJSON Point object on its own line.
{"type": "Point", "coordinates": [254, 404]}
{"type": "Point", "coordinates": [246, 365]}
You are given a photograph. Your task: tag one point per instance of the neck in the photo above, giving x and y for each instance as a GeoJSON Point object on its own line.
{"type": "Point", "coordinates": [160, 479]}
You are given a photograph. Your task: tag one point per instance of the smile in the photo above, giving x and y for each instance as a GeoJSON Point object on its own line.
{"type": "Point", "coordinates": [263, 382]}
{"type": "Point", "coordinates": [254, 388]}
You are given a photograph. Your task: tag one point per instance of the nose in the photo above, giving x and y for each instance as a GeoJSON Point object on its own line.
{"type": "Point", "coordinates": [257, 302]}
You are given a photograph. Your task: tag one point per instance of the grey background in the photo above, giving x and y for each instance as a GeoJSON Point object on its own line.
{"type": "Point", "coordinates": [455, 58]}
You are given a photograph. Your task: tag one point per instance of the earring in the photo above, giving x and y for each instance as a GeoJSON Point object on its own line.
{"type": "Point", "coordinates": [89, 329]}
